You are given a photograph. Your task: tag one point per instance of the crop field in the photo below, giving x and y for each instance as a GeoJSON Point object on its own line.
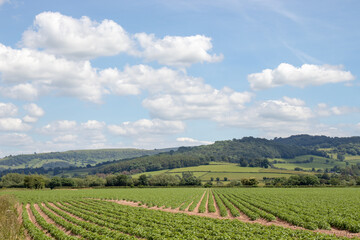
{"type": "Point", "coordinates": [190, 213]}
{"type": "Point", "coordinates": [231, 171]}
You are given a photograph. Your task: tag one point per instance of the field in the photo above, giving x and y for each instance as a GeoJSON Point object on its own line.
{"type": "Point", "coordinates": [190, 213]}
{"type": "Point", "coordinates": [231, 171]}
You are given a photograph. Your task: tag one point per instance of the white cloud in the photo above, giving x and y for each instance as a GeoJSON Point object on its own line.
{"type": "Point", "coordinates": [59, 127]}
{"type": "Point", "coordinates": [76, 38]}
{"type": "Point", "coordinates": [8, 110]}
{"type": "Point", "coordinates": [207, 104]}
{"type": "Point", "coordinates": [66, 138]}
{"type": "Point", "coordinates": [13, 124]}
{"type": "Point", "coordinates": [30, 119]}
{"type": "Point", "coordinates": [34, 110]}
{"type": "Point", "coordinates": [288, 109]}
{"type": "Point", "coordinates": [93, 125]}
{"type": "Point", "coordinates": [192, 142]}
{"type": "Point", "coordinates": [306, 75]}
{"type": "Point", "coordinates": [23, 91]}
{"type": "Point", "coordinates": [272, 117]}
{"type": "Point", "coordinates": [176, 50]}
{"type": "Point", "coordinates": [15, 140]}
{"type": "Point", "coordinates": [323, 110]}
{"type": "Point", "coordinates": [49, 74]}
{"type": "Point", "coordinates": [147, 127]}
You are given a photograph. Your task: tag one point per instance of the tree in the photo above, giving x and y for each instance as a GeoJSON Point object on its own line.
{"type": "Point", "coordinates": [249, 182]}
{"type": "Point", "coordinates": [143, 180]}
{"type": "Point", "coordinates": [225, 179]}
{"type": "Point", "coordinates": [188, 178]}
{"type": "Point", "coordinates": [34, 181]}
{"type": "Point", "coordinates": [13, 180]}
{"type": "Point", "coordinates": [340, 157]}
{"type": "Point", "coordinates": [55, 182]}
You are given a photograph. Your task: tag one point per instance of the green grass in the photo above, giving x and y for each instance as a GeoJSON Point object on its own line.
{"type": "Point", "coordinates": [230, 170]}
{"type": "Point", "coordinates": [318, 163]}
{"type": "Point", "coordinates": [239, 176]}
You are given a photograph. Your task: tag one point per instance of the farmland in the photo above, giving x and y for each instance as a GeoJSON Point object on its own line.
{"type": "Point", "coordinates": [190, 213]}
{"type": "Point", "coordinates": [231, 171]}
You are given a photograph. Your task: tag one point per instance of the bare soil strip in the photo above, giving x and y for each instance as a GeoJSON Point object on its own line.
{"type": "Point", "coordinates": [207, 202]}
{"type": "Point", "coordinates": [33, 220]}
{"type": "Point", "coordinates": [196, 209]}
{"type": "Point", "coordinates": [243, 218]}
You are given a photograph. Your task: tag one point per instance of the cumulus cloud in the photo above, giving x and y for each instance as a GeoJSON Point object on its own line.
{"type": "Point", "coordinates": [59, 126]}
{"type": "Point", "coordinates": [86, 39]}
{"type": "Point", "coordinates": [272, 117]}
{"type": "Point", "coordinates": [34, 110]}
{"type": "Point", "coordinates": [306, 75]}
{"type": "Point", "coordinates": [208, 103]}
{"type": "Point", "coordinates": [23, 91]}
{"type": "Point", "coordinates": [192, 142]}
{"type": "Point", "coordinates": [147, 127]}
{"type": "Point", "coordinates": [15, 140]}
{"type": "Point", "coordinates": [8, 110]}
{"type": "Point", "coordinates": [93, 125]}
{"type": "Point", "coordinates": [323, 110]}
{"type": "Point", "coordinates": [13, 124]}
{"type": "Point", "coordinates": [76, 38]}
{"type": "Point", "coordinates": [176, 50]}
{"type": "Point", "coordinates": [48, 73]}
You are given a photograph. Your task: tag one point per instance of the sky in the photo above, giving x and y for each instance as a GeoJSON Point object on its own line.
{"type": "Point", "coordinates": [167, 73]}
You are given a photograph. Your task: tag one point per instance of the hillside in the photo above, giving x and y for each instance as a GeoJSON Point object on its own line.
{"type": "Point", "coordinates": [248, 151]}
{"type": "Point", "coordinates": [75, 158]}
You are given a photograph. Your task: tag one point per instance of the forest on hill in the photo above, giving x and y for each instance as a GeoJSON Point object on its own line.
{"type": "Point", "coordinates": [248, 152]}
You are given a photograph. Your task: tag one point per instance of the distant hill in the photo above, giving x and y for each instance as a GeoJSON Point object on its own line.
{"type": "Point", "coordinates": [317, 141]}
{"type": "Point", "coordinates": [76, 158]}
{"type": "Point", "coordinates": [250, 151]}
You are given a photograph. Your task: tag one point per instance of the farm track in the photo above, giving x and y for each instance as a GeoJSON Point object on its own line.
{"type": "Point", "coordinates": [242, 218]}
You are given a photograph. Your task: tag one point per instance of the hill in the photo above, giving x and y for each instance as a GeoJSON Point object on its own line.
{"type": "Point", "coordinates": [247, 151]}
{"type": "Point", "coordinates": [74, 158]}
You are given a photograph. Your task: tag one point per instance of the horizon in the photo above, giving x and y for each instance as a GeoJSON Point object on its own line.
{"type": "Point", "coordinates": [163, 74]}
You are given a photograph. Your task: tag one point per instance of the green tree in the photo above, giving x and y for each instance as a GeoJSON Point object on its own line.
{"type": "Point", "coordinates": [13, 180]}
{"type": "Point", "coordinates": [34, 181]}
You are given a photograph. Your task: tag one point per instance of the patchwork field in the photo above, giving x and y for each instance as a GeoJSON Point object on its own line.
{"type": "Point", "coordinates": [231, 171]}
{"type": "Point", "coordinates": [190, 213]}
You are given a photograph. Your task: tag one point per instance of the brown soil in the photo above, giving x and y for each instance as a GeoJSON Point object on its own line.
{"type": "Point", "coordinates": [33, 220]}
{"type": "Point", "coordinates": [196, 209]}
{"type": "Point", "coordinates": [243, 218]}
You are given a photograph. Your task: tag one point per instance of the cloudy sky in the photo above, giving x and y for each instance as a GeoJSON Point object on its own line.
{"type": "Point", "coordinates": [162, 73]}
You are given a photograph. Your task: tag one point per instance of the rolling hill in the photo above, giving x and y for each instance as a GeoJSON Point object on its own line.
{"type": "Point", "coordinates": [75, 158]}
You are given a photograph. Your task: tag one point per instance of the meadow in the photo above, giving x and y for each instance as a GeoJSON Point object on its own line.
{"type": "Point", "coordinates": [231, 171]}
{"type": "Point", "coordinates": [190, 213]}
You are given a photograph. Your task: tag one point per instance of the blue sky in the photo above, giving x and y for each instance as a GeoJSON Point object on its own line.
{"type": "Point", "coordinates": [154, 74]}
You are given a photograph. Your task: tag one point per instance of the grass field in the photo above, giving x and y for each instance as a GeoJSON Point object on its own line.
{"type": "Point", "coordinates": [89, 213]}
{"type": "Point", "coordinates": [231, 171]}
